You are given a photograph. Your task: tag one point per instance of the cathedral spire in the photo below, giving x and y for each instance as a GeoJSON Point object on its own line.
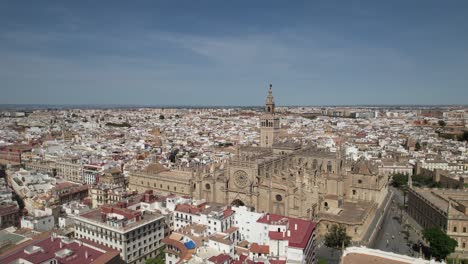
{"type": "Point", "coordinates": [270, 104]}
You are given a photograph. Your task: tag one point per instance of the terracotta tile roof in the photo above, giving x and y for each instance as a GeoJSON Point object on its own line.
{"type": "Point", "coordinates": [262, 249]}
{"type": "Point", "coordinates": [300, 230]}
{"type": "Point", "coordinates": [189, 209]}
{"type": "Point", "coordinates": [46, 249]}
{"type": "Point", "coordinates": [220, 259]}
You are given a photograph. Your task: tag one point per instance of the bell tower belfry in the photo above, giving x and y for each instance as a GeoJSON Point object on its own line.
{"type": "Point", "coordinates": [269, 123]}
{"type": "Point", "coordinates": [270, 104]}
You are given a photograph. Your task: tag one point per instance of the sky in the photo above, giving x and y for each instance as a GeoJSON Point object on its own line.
{"type": "Point", "coordinates": [228, 52]}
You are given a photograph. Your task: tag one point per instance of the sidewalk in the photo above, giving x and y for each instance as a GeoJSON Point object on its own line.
{"type": "Point", "coordinates": [374, 227]}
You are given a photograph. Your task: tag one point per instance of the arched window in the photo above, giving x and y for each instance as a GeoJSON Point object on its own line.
{"type": "Point", "coordinates": [207, 186]}
{"type": "Point", "coordinates": [329, 166]}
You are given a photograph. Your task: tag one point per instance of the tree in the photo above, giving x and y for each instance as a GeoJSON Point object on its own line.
{"type": "Point", "coordinates": [399, 180]}
{"type": "Point", "coordinates": [442, 123]}
{"type": "Point", "coordinates": [417, 146]}
{"type": "Point", "coordinates": [337, 237]}
{"type": "Point", "coordinates": [160, 259]}
{"type": "Point", "coordinates": [161, 117]}
{"type": "Point", "coordinates": [464, 136]}
{"type": "Point", "coordinates": [440, 243]}
{"type": "Point", "coordinates": [154, 261]}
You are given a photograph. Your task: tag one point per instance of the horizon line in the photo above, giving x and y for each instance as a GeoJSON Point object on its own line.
{"type": "Point", "coordinates": [100, 106]}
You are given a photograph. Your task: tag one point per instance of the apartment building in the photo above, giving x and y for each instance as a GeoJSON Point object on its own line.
{"type": "Point", "coordinates": [102, 194]}
{"type": "Point", "coordinates": [69, 168]}
{"type": "Point", "coordinates": [217, 217]}
{"type": "Point", "coordinates": [446, 209]}
{"type": "Point", "coordinates": [135, 232]}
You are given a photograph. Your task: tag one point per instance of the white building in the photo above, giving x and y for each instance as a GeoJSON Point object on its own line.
{"type": "Point", "coordinates": [249, 228]}
{"type": "Point", "coordinates": [39, 223]}
{"type": "Point", "coordinates": [390, 168]}
{"type": "Point", "coordinates": [70, 209]}
{"type": "Point", "coordinates": [136, 233]}
{"type": "Point", "coordinates": [218, 218]}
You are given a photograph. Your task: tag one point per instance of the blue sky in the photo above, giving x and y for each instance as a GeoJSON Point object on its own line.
{"type": "Point", "coordinates": [227, 52]}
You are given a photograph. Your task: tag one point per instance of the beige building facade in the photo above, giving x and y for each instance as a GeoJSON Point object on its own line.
{"type": "Point", "coordinates": [69, 168]}
{"type": "Point", "coordinates": [446, 209]}
{"type": "Point", "coordinates": [157, 177]}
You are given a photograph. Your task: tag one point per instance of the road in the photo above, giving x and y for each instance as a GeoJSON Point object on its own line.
{"type": "Point", "coordinates": [390, 237]}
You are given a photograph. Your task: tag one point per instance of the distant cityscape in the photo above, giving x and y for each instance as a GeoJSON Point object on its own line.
{"type": "Point", "coordinates": [271, 184]}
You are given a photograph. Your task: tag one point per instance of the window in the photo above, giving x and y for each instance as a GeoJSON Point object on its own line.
{"type": "Point", "coordinates": [354, 192]}
{"type": "Point", "coordinates": [207, 186]}
{"type": "Point", "coordinates": [463, 244]}
{"type": "Point", "coordinates": [464, 229]}
{"type": "Point", "coordinates": [359, 181]}
{"type": "Point", "coordinates": [454, 229]}
{"type": "Point", "coordinates": [279, 198]}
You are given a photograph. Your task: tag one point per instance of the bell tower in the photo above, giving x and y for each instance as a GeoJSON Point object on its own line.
{"type": "Point", "coordinates": [269, 123]}
{"type": "Point", "coordinates": [270, 104]}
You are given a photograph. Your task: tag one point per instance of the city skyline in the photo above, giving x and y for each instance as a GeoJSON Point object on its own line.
{"type": "Point", "coordinates": [213, 54]}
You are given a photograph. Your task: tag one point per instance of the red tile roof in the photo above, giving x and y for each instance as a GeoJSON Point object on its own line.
{"type": "Point", "coordinates": [262, 249]}
{"type": "Point", "coordinates": [189, 209]}
{"type": "Point", "coordinates": [184, 253]}
{"type": "Point", "coordinates": [300, 230]}
{"type": "Point", "coordinates": [96, 253]}
{"type": "Point", "coordinates": [228, 212]}
{"type": "Point", "coordinates": [220, 259]}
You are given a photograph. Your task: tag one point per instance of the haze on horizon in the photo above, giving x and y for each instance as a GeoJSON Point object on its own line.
{"type": "Point", "coordinates": [227, 53]}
